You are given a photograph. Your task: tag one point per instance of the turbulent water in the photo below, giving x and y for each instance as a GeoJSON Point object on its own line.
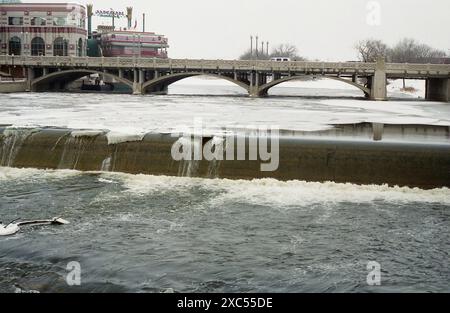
{"type": "Point", "coordinates": [138, 233]}
{"type": "Point", "coordinates": [157, 234]}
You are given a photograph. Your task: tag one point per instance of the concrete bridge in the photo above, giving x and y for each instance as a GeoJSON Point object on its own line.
{"type": "Point", "coordinates": [256, 77]}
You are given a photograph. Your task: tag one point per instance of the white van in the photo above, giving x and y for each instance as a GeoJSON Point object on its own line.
{"type": "Point", "coordinates": [280, 59]}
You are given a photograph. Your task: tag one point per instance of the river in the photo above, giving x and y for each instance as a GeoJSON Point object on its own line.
{"type": "Point", "coordinates": [142, 233]}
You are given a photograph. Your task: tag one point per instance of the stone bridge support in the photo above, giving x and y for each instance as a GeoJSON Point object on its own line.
{"type": "Point", "coordinates": [438, 89]}
{"type": "Point", "coordinates": [253, 90]}
{"type": "Point", "coordinates": [378, 90]}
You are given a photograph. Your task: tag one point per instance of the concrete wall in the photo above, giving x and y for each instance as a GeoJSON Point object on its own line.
{"type": "Point", "coordinates": [300, 158]}
{"type": "Point", "coordinates": [7, 87]}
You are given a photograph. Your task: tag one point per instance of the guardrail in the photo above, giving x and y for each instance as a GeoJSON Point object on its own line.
{"type": "Point", "coordinates": [197, 64]}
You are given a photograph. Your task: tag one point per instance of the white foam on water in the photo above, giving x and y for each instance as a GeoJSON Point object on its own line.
{"type": "Point", "coordinates": [106, 181]}
{"type": "Point", "coordinates": [30, 174]}
{"type": "Point", "coordinates": [279, 193]}
{"type": "Point", "coordinates": [269, 192]}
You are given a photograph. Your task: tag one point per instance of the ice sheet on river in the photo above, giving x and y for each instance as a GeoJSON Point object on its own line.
{"type": "Point", "coordinates": [130, 115]}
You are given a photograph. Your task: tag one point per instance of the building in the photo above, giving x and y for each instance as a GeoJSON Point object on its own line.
{"type": "Point", "coordinates": [43, 29]}
{"type": "Point", "coordinates": [132, 44]}
{"type": "Point", "coordinates": [108, 41]}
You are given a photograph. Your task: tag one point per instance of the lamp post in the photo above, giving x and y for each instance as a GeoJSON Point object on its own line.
{"type": "Point", "coordinates": [251, 47]}
{"type": "Point", "coordinates": [135, 44]}
{"type": "Point", "coordinates": [140, 46]}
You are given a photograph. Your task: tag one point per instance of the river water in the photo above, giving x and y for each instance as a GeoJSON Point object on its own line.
{"type": "Point", "coordinates": [138, 233]}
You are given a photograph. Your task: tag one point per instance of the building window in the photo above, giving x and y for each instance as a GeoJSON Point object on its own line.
{"type": "Point", "coordinates": [38, 21]}
{"type": "Point", "coordinates": [15, 20]}
{"type": "Point", "coordinates": [37, 46]}
{"type": "Point", "coordinates": [80, 47]}
{"type": "Point", "coordinates": [60, 47]}
{"type": "Point", "coordinates": [15, 46]}
{"type": "Point", "coordinates": [60, 21]}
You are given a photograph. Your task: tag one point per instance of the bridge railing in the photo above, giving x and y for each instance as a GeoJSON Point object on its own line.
{"type": "Point", "coordinates": [412, 67]}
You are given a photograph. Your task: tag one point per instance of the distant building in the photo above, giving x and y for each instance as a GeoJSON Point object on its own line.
{"type": "Point", "coordinates": [108, 41]}
{"type": "Point", "coordinates": [132, 44]}
{"type": "Point", "coordinates": [42, 29]}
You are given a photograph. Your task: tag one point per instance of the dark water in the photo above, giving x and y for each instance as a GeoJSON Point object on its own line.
{"type": "Point", "coordinates": [150, 234]}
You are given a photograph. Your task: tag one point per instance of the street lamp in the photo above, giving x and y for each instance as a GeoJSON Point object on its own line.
{"type": "Point", "coordinates": [251, 47]}
{"type": "Point", "coordinates": [140, 45]}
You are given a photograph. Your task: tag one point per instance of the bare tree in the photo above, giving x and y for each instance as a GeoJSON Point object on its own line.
{"type": "Point", "coordinates": [405, 51]}
{"type": "Point", "coordinates": [247, 56]}
{"type": "Point", "coordinates": [369, 50]}
{"type": "Point", "coordinates": [409, 51]}
{"type": "Point", "coordinates": [283, 50]}
{"type": "Point", "coordinates": [287, 51]}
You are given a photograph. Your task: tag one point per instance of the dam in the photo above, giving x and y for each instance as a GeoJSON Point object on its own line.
{"type": "Point", "coordinates": [315, 157]}
{"type": "Point", "coordinates": [359, 145]}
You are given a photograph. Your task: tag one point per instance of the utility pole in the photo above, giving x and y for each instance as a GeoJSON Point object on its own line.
{"type": "Point", "coordinates": [143, 22]}
{"type": "Point", "coordinates": [251, 47]}
{"type": "Point", "coordinates": [267, 44]}
{"type": "Point", "coordinates": [257, 47]}
{"type": "Point", "coordinates": [113, 16]}
{"type": "Point", "coordinates": [140, 45]}
{"type": "Point", "coordinates": [262, 48]}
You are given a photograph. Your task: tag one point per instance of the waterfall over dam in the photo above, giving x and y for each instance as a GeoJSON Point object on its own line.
{"type": "Point", "coordinates": [359, 153]}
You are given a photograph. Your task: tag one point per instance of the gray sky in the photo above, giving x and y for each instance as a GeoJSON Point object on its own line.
{"type": "Point", "coordinates": [321, 29]}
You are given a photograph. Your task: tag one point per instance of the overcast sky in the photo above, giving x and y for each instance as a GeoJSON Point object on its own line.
{"type": "Point", "coordinates": [321, 29]}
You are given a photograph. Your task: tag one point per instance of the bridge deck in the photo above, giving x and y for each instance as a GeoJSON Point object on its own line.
{"type": "Point", "coordinates": [393, 70]}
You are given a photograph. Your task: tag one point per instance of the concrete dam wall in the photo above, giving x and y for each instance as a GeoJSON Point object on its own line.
{"type": "Point", "coordinates": [360, 154]}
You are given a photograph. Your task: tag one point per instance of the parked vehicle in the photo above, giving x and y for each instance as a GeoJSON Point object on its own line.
{"type": "Point", "coordinates": [280, 59]}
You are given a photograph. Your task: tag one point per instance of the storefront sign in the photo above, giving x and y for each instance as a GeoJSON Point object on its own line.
{"type": "Point", "coordinates": [109, 13]}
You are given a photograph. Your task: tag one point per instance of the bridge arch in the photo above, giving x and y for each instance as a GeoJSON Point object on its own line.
{"type": "Point", "coordinates": [65, 77]}
{"type": "Point", "coordinates": [173, 78]}
{"type": "Point", "coordinates": [265, 88]}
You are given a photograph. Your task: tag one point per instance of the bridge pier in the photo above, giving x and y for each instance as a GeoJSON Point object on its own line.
{"type": "Point", "coordinates": [30, 77]}
{"type": "Point", "coordinates": [378, 86]}
{"type": "Point", "coordinates": [254, 92]}
{"type": "Point", "coordinates": [137, 89]}
{"type": "Point", "coordinates": [438, 89]}
{"type": "Point", "coordinates": [137, 85]}
{"type": "Point", "coordinates": [254, 85]}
